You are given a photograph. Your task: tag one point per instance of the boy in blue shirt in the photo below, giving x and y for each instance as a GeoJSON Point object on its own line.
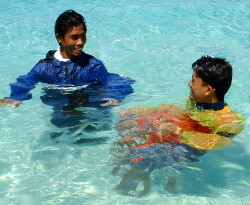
{"type": "Point", "coordinates": [74, 79]}
{"type": "Point", "coordinates": [69, 67]}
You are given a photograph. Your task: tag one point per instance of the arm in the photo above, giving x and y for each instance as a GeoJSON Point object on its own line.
{"type": "Point", "coordinates": [116, 89]}
{"type": "Point", "coordinates": [112, 88]}
{"type": "Point", "coordinates": [149, 116]}
{"type": "Point", "coordinates": [204, 141]}
{"type": "Point", "coordinates": [20, 89]}
{"type": "Point", "coordinates": [224, 126]}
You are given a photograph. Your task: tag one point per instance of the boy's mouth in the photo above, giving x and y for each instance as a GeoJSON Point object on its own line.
{"type": "Point", "coordinates": [79, 49]}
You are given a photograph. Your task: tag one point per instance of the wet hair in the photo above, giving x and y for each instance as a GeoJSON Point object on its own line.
{"type": "Point", "coordinates": [67, 20]}
{"type": "Point", "coordinates": [216, 72]}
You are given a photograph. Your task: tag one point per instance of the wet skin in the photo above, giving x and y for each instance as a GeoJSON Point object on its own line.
{"type": "Point", "coordinates": [72, 43]}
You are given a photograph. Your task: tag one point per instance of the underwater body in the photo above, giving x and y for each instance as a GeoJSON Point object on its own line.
{"type": "Point", "coordinates": [154, 44]}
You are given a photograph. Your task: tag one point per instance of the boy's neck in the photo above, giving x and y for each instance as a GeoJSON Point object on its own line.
{"type": "Point", "coordinates": [58, 55]}
{"type": "Point", "coordinates": [218, 105]}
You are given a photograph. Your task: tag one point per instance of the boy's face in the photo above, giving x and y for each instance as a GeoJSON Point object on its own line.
{"type": "Point", "coordinates": [72, 43]}
{"type": "Point", "coordinates": [198, 89]}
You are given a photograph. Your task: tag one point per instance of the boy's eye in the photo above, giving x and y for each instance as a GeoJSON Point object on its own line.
{"type": "Point", "coordinates": [75, 37]}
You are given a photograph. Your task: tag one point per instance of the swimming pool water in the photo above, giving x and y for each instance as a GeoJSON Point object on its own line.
{"type": "Point", "coordinates": [153, 43]}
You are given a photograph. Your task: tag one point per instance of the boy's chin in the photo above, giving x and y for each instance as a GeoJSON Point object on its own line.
{"type": "Point", "coordinates": [191, 98]}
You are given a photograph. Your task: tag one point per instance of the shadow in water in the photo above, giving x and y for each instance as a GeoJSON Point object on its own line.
{"type": "Point", "coordinates": [223, 172]}
{"type": "Point", "coordinates": [78, 114]}
{"type": "Point", "coordinates": [219, 172]}
{"type": "Point", "coordinates": [92, 141]}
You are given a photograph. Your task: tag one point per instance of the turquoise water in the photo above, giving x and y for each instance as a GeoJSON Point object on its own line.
{"type": "Point", "coordinates": [153, 43]}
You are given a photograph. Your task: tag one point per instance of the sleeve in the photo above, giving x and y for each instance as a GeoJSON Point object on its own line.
{"type": "Point", "coordinates": [224, 125]}
{"type": "Point", "coordinates": [97, 72]}
{"type": "Point", "coordinates": [113, 87]}
{"type": "Point", "coordinates": [117, 87]}
{"type": "Point", "coordinates": [20, 89]}
{"type": "Point", "coordinates": [205, 141]}
{"type": "Point", "coordinates": [104, 84]}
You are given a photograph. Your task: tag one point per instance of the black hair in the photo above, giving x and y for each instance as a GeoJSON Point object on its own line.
{"type": "Point", "coordinates": [216, 72]}
{"type": "Point", "coordinates": [67, 20]}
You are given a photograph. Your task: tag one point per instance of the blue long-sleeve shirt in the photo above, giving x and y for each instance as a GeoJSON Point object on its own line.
{"type": "Point", "coordinates": [79, 71]}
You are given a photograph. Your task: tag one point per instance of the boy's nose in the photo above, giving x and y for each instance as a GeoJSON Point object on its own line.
{"type": "Point", "coordinates": [80, 41]}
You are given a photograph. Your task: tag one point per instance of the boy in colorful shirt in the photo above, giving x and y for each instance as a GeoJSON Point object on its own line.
{"type": "Point", "coordinates": [161, 136]}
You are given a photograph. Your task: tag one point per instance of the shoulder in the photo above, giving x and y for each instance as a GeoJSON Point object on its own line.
{"type": "Point", "coordinates": [226, 120]}
{"type": "Point", "coordinates": [49, 57]}
{"type": "Point", "coordinates": [226, 109]}
{"type": "Point", "coordinates": [228, 112]}
{"type": "Point", "coordinates": [238, 117]}
{"type": "Point", "coordinates": [91, 59]}
{"type": "Point", "coordinates": [44, 63]}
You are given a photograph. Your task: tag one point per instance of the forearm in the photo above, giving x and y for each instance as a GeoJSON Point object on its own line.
{"type": "Point", "coordinates": [20, 89]}
{"type": "Point", "coordinates": [117, 87]}
{"type": "Point", "coordinates": [204, 141]}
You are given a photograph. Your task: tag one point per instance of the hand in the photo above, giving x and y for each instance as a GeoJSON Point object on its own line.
{"type": "Point", "coordinates": [15, 103]}
{"type": "Point", "coordinates": [124, 125]}
{"type": "Point", "coordinates": [110, 102]}
{"type": "Point", "coordinates": [165, 129]}
{"type": "Point", "coordinates": [124, 113]}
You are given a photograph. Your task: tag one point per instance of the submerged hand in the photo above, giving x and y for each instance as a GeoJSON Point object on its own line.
{"type": "Point", "coordinates": [15, 103]}
{"type": "Point", "coordinates": [124, 125]}
{"type": "Point", "coordinates": [110, 102]}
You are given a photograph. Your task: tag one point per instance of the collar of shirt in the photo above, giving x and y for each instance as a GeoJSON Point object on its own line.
{"type": "Point", "coordinates": [59, 57]}
{"type": "Point", "coordinates": [213, 106]}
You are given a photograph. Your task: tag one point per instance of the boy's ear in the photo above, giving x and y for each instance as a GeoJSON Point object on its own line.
{"type": "Point", "coordinates": [58, 38]}
{"type": "Point", "coordinates": [210, 90]}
